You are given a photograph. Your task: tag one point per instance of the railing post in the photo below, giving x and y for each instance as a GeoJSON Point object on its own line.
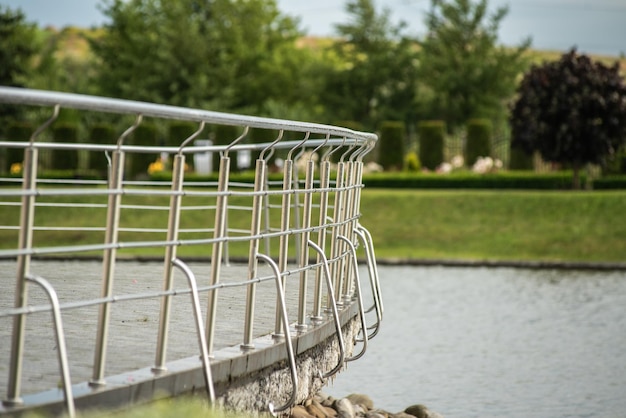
{"type": "Point", "coordinates": [304, 242]}
{"type": "Point", "coordinates": [321, 240]}
{"type": "Point", "coordinates": [108, 265]}
{"type": "Point", "coordinates": [178, 170]}
{"type": "Point", "coordinates": [108, 259]}
{"type": "Point", "coordinates": [335, 244]}
{"type": "Point", "coordinates": [221, 212]}
{"type": "Point", "coordinates": [255, 227]}
{"type": "Point", "coordinates": [284, 238]}
{"type": "Point", "coordinates": [348, 227]}
{"type": "Point", "coordinates": [25, 240]}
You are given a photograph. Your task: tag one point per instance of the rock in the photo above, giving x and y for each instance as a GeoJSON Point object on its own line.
{"type": "Point", "coordinates": [315, 411]}
{"type": "Point", "coordinates": [405, 415]}
{"type": "Point", "coordinates": [329, 402]}
{"type": "Point", "coordinates": [328, 412]}
{"type": "Point", "coordinates": [344, 408]}
{"type": "Point", "coordinates": [359, 410]}
{"type": "Point", "coordinates": [363, 400]}
{"type": "Point", "coordinates": [420, 411]}
{"type": "Point", "coordinates": [300, 411]}
{"type": "Point", "coordinates": [376, 414]}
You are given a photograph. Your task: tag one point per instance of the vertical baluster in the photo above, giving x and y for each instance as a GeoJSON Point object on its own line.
{"type": "Point", "coordinates": [284, 238]}
{"type": "Point", "coordinates": [221, 219]}
{"type": "Point", "coordinates": [25, 241]}
{"type": "Point", "coordinates": [178, 170]}
{"type": "Point", "coordinates": [321, 241]}
{"type": "Point", "coordinates": [255, 228]}
{"type": "Point", "coordinates": [108, 259]}
{"type": "Point", "coordinates": [283, 256]}
{"type": "Point", "coordinates": [346, 263]}
{"type": "Point", "coordinates": [304, 240]}
{"type": "Point", "coordinates": [216, 256]}
{"type": "Point", "coordinates": [336, 245]}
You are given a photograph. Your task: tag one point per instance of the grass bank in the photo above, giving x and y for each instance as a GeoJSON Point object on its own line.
{"type": "Point", "coordinates": [497, 225]}
{"type": "Point", "coordinates": [460, 225]}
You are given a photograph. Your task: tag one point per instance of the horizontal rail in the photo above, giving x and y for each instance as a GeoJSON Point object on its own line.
{"type": "Point", "coordinates": [14, 95]}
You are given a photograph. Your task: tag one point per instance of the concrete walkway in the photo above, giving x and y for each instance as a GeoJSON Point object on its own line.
{"type": "Point", "coordinates": [134, 324]}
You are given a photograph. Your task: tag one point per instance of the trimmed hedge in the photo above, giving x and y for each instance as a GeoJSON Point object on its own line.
{"type": "Point", "coordinates": [64, 159]}
{"type": "Point", "coordinates": [224, 135]}
{"type": "Point", "coordinates": [145, 134]}
{"type": "Point", "coordinates": [179, 131]}
{"type": "Point", "coordinates": [468, 180]}
{"type": "Point", "coordinates": [17, 132]}
{"type": "Point", "coordinates": [391, 155]}
{"type": "Point", "coordinates": [260, 136]}
{"type": "Point", "coordinates": [464, 180]}
{"type": "Point", "coordinates": [478, 143]}
{"type": "Point", "coordinates": [101, 134]}
{"type": "Point", "coordinates": [431, 136]}
{"type": "Point", "coordinates": [520, 159]}
{"type": "Point", "coordinates": [609, 183]}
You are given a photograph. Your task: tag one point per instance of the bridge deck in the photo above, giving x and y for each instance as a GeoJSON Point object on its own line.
{"type": "Point", "coordinates": [134, 324]}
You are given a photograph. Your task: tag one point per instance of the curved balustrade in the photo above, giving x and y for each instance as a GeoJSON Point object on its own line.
{"type": "Point", "coordinates": [307, 202]}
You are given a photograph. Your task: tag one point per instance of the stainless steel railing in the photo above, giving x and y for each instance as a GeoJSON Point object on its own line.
{"type": "Point", "coordinates": [288, 215]}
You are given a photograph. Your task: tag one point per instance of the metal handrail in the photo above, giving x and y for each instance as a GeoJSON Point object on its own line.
{"type": "Point", "coordinates": [359, 296]}
{"type": "Point", "coordinates": [16, 95]}
{"type": "Point", "coordinates": [197, 313]}
{"type": "Point", "coordinates": [280, 293]}
{"type": "Point", "coordinates": [60, 337]}
{"type": "Point", "coordinates": [335, 312]}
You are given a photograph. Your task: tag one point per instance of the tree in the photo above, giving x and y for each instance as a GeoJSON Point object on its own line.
{"type": "Point", "coordinates": [375, 77]}
{"type": "Point", "coordinates": [223, 54]}
{"type": "Point", "coordinates": [572, 111]}
{"type": "Point", "coordinates": [470, 75]}
{"type": "Point", "coordinates": [17, 49]}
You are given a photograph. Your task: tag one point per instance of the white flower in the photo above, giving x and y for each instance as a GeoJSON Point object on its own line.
{"type": "Point", "coordinates": [483, 165]}
{"type": "Point", "coordinates": [372, 167]}
{"type": "Point", "coordinates": [457, 161]}
{"type": "Point", "coordinates": [444, 168]}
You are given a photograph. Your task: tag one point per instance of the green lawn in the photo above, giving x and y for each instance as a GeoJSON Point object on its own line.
{"type": "Point", "coordinates": [497, 225]}
{"type": "Point", "coordinates": [407, 224]}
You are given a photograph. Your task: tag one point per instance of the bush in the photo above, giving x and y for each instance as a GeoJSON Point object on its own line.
{"type": "Point", "coordinates": [260, 136]}
{"type": "Point", "coordinates": [101, 134]}
{"type": "Point", "coordinates": [178, 132]}
{"type": "Point", "coordinates": [610, 182]}
{"type": "Point", "coordinates": [392, 145]}
{"type": "Point", "coordinates": [412, 162]}
{"type": "Point", "coordinates": [468, 180]}
{"type": "Point", "coordinates": [519, 159]}
{"type": "Point", "coordinates": [431, 142]}
{"type": "Point", "coordinates": [478, 143]}
{"type": "Point", "coordinates": [617, 163]}
{"type": "Point", "coordinates": [355, 126]}
{"type": "Point", "coordinates": [224, 135]}
{"type": "Point", "coordinates": [144, 135]}
{"type": "Point", "coordinates": [64, 159]}
{"type": "Point", "coordinates": [16, 132]}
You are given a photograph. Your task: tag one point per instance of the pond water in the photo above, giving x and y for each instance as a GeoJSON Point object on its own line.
{"type": "Point", "coordinates": [497, 342]}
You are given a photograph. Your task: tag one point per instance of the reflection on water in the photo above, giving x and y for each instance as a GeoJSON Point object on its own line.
{"type": "Point", "coordinates": [499, 342]}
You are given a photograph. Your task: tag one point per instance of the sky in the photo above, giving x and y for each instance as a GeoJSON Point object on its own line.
{"type": "Point", "coordinates": [593, 26]}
